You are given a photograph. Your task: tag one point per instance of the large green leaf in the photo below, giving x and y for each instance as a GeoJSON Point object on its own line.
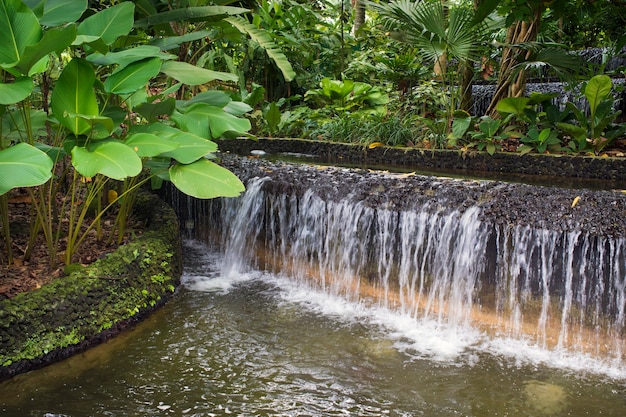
{"type": "Point", "coordinates": [59, 12]}
{"type": "Point", "coordinates": [267, 43]}
{"type": "Point", "coordinates": [205, 179]}
{"type": "Point", "coordinates": [190, 147]}
{"type": "Point", "coordinates": [148, 145]}
{"type": "Point", "coordinates": [152, 111]}
{"type": "Point", "coordinates": [19, 28]}
{"type": "Point", "coordinates": [128, 56]}
{"type": "Point", "coordinates": [54, 40]}
{"type": "Point", "coordinates": [96, 121]}
{"type": "Point", "coordinates": [213, 97]}
{"type": "Point", "coordinates": [112, 159]}
{"type": "Point", "coordinates": [108, 24]}
{"type": "Point", "coordinates": [598, 89]}
{"type": "Point", "coordinates": [74, 94]}
{"type": "Point", "coordinates": [191, 14]}
{"type": "Point", "coordinates": [171, 42]}
{"type": "Point", "coordinates": [23, 165]}
{"type": "Point", "coordinates": [512, 105]}
{"type": "Point", "coordinates": [193, 75]}
{"type": "Point", "coordinates": [132, 77]}
{"type": "Point", "coordinates": [16, 91]}
{"type": "Point", "coordinates": [209, 121]}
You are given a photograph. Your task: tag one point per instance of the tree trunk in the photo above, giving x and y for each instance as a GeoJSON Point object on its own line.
{"type": "Point", "coordinates": [359, 15]}
{"type": "Point", "coordinates": [467, 77]}
{"type": "Point", "coordinates": [509, 86]}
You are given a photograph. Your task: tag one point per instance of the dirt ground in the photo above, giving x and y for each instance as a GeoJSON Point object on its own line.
{"type": "Point", "coordinates": [37, 270]}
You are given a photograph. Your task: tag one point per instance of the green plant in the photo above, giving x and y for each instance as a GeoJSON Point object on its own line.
{"type": "Point", "coordinates": [487, 137]}
{"type": "Point", "coordinates": [441, 32]}
{"type": "Point", "coordinates": [596, 130]}
{"type": "Point", "coordinates": [107, 131]}
{"type": "Point", "coordinates": [485, 133]}
{"type": "Point", "coordinates": [540, 141]}
{"type": "Point", "coordinates": [390, 130]}
{"type": "Point", "coordinates": [533, 121]}
{"type": "Point", "coordinates": [342, 96]}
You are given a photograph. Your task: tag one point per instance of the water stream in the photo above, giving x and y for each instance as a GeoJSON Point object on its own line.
{"type": "Point", "coordinates": [252, 343]}
{"type": "Point", "coordinates": [320, 295]}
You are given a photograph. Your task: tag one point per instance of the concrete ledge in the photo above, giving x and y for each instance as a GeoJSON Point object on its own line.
{"type": "Point", "coordinates": [89, 306]}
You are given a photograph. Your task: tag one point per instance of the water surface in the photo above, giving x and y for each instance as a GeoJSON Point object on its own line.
{"type": "Point", "coordinates": [253, 343]}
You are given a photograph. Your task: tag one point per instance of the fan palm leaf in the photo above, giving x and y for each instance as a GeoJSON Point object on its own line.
{"type": "Point", "coordinates": [435, 27]}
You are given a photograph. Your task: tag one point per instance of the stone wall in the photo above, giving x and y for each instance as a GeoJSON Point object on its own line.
{"type": "Point", "coordinates": [578, 167]}
{"type": "Point", "coordinates": [89, 306]}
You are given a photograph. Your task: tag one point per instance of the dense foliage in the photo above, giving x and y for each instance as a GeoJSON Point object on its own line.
{"type": "Point", "coordinates": [427, 56]}
{"type": "Point", "coordinates": [98, 98]}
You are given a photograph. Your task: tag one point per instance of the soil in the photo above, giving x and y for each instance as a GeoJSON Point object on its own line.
{"type": "Point", "coordinates": [27, 274]}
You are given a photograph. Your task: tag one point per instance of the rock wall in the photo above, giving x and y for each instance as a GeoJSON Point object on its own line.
{"type": "Point", "coordinates": [89, 306]}
{"type": "Point", "coordinates": [564, 167]}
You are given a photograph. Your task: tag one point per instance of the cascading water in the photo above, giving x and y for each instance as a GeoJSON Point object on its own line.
{"type": "Point", "coordinates": [432, 249]}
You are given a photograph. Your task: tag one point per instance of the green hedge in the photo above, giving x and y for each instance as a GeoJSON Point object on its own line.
{"type": "Point", "coordinates": [96, 302]}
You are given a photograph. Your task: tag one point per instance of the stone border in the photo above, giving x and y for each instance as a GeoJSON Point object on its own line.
{"type": "Point", "coordinates": [89, 306]}
{"type": "Point", "coordinates": [565, 166]}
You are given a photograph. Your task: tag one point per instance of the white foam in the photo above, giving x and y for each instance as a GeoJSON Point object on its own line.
{"type": "Point", "coordinates": [418, 338]}
{"type": "Point", "coordinates": [523, 353]}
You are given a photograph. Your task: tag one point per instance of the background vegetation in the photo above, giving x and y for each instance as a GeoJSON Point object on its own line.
{"type": "Point", "coordinates": [98, 98]}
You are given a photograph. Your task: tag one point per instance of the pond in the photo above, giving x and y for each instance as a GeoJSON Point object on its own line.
{"type": "Point", "coordinates": [254, 343]}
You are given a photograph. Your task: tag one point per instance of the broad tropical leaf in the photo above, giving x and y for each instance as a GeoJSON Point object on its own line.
{"type": "Point", "coordinates": [193, 75]}
{"type": "Point", "coordinates": [152, 111]}
{"type": "Point", "coordinates": [189, 148]}
{"type": "Point", "coordinates": [128, 56]}
{"type": "Point", "coordinates": [111, 159]}
{"type": "Point", "coordinates": [190, 14]}
{"type": "Point", "coordinates": [54, 40]}
{"type": "Point", "coordinates": [59, 12]}
{"type": "Point", "coordinates": [266, 42]}
{"type": "Point", "coordinates": [148, 145]}
{"type": "Point", "coordinates": [171, 42]}
{"type": "Point", "coordinates": [19, 28]}
{"type": "Point", "coordinates": [205, 179]}
{"type": "Point", "coordinates": [16, 91]}
{"type": "Point", "coordinates": [209, 121]}
{"type": "Point", "coordinates": [107, 25]}
{"type": "Point", "coordinates": [23, 165]}
{"type": "Point", "coordinates": [513, 105]}
{"type": "Point", "coordinates": [213, 97]}
{"type": "Point", "coordinates": [133, 76]}
{"type": "Point", "coordinates": [74, 94]}
{"type": "Point", "coordinates": [597, 90]}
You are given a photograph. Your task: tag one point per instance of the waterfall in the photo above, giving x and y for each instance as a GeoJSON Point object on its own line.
{"type": "Point", "coordinates": [432, 256]}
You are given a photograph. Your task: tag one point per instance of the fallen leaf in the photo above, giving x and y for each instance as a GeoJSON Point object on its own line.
{"type": "Point", "coordinates": [375, 145]}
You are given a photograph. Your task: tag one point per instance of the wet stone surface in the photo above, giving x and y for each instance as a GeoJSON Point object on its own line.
{"type": "Point", "coordinates": [599, 213]}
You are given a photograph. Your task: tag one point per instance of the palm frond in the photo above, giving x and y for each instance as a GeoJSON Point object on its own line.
{"type": "Point", "coordinates": [558, 60]}
{"type": "Point", "coordinates": [266, 42]}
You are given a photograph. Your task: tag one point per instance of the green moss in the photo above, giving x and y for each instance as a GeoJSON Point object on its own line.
{"type": "Point", "coordinates": [77, 308]}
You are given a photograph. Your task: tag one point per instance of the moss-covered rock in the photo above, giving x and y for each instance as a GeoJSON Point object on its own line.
{"type": "Point", "coordinates": [95, 302]}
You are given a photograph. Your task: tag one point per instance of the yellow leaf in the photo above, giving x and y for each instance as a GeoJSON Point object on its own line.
{"type": "Point", "coordinates": [408, 174]}
{"type": "Point", "coordinates": [111, 196]}
{"type": "Point", "coordinates": [375, 145]}
{"type": "Point", "coordinates": [576, 200]}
